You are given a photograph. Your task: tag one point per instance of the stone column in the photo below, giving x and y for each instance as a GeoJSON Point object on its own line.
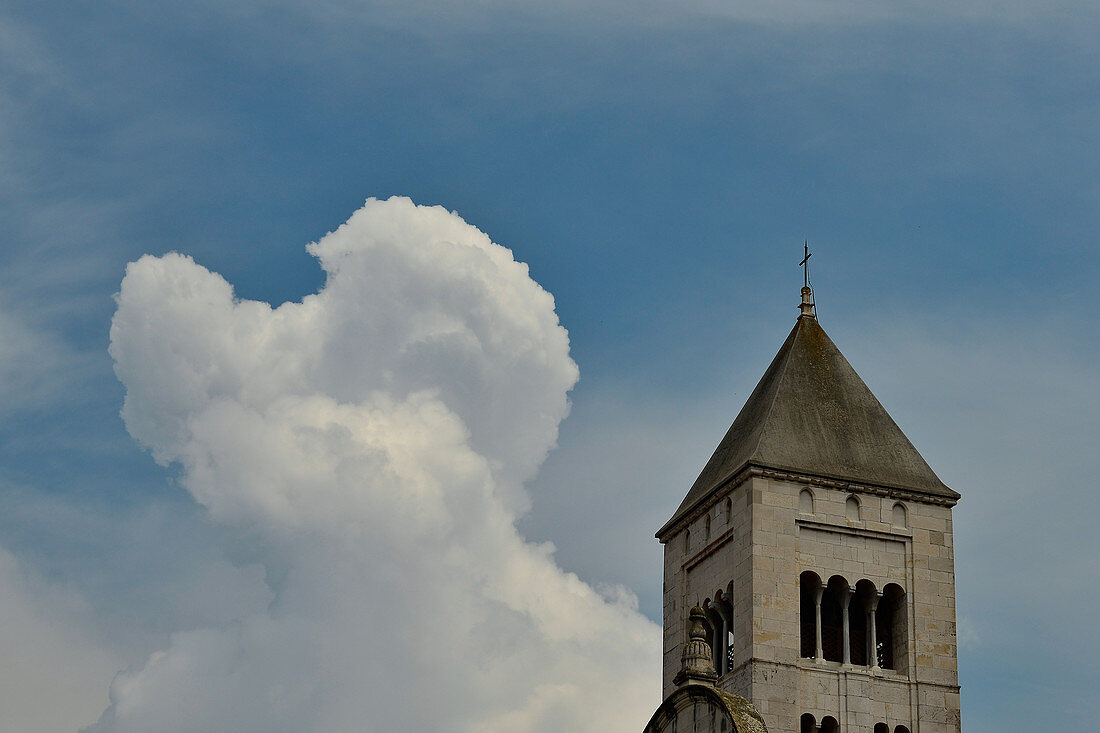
{"type": "Point", "coordinates": [723, 654]}
{"type": "Point", "coordinates": [714, 617]}
{"type": "Point", "coordinates": [819, 653]}
{"type": "Point", "coordinates": [716, 630]}
{"type": "Point", "coordinates": [872, 606]}
{"type": "Point", "coordinates": [845, 600]}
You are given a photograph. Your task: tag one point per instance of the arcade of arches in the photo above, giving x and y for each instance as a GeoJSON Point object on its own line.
{"type": "Point", "coordinates": [719, 613]}
{"type": "Point", "coordinates": [858, 625]}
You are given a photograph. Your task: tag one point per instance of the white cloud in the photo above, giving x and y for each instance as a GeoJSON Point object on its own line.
{"type": "Point", "coordinates": [55, 669]}
{"type": "Point", "coordinates": [375, 437]}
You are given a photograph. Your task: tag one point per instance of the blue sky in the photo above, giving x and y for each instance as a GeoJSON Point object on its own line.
{"type": "Point", "coordinates": [658, 167]}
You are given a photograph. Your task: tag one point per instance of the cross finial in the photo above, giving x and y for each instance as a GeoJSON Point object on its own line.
{"type": "Point", "coordinates": [807, 304]}
{"type": "Point", "coordinates": [805, 264]}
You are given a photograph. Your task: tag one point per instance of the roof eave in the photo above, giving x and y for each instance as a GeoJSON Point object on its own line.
{"type": "Point", "coordinates": [941, 494]}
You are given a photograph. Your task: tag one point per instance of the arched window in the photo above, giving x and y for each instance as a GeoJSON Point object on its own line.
{"type": "Point", "coordinates": [809, 586]}
{"type": "Point", "coordinates": [687, 540]}
{"type": "Point", "coordinates": [706, 529]}
{"type": "Point", "coordinates": [829, 724]}
{"type": "Point", "coordinates": [832, 620]}
{"type": "Point", "coordinates": [717, 630]}
{"type": "Point", "coordinates": [851, 509]}
{"type": "Point", "coordinates": [805, 502]}
{"type": "Point", "coordinates": [729, 510]}
{"type": "Point", "coordinates": [901, 729]}
{"type": "Point", "coordinates": [808, 723]}
{"type": "Point", "coordinates": [899, 518]}
{"type": "Point", "coordinates": [892, 629]}
{"type": "Point", "coordinates": [859, 622]}
{"type": "Point", "coordinates": [882, 728]}
{"type": "Point", "coordinates": [724, 604]}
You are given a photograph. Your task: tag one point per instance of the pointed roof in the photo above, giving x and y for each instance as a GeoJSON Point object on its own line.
{"type": "Point", "coordinates": [812, 414]}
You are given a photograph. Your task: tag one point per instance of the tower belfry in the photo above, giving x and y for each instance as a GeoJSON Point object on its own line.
{"type": "Point", "coordinates": [818, 544]}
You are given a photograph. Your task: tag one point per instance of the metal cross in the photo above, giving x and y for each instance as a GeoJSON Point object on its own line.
{"type": "Point", "coordinates": [804, 264]}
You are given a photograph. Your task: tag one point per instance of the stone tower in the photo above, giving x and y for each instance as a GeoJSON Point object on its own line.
{"type": "Point", "coordinates": [818, 543]}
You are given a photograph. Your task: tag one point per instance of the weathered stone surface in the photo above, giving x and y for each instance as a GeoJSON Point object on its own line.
{"type": "Point", "coordinates": [811, 412]}
{"type": "Point", "coordinates": [704, 709]}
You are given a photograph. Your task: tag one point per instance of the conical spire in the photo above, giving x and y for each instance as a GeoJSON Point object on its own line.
{"type": "Point", "coordinates": [812, 414]}
{"type": "Point", "coordinates": [696, 664]}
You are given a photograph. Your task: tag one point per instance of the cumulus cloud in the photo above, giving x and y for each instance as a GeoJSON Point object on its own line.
{"type": "Point", "coordinates": [374, 438]}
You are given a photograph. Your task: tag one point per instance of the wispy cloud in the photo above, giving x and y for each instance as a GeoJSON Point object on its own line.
{"type": "Point", "coordinates": [39, 369]}
{"type": "Point", "coordinates": [1006, 410]}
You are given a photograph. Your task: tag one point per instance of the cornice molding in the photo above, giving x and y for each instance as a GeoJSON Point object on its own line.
{"type": "Point", "coordinates": [730, 485]}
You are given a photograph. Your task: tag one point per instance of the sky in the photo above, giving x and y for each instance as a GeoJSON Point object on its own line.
{"type": "Point", "coordinates": [342, 341]}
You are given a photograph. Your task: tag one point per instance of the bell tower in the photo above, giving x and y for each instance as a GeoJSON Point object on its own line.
{"type": "Point", "coordinates": [817, 542]}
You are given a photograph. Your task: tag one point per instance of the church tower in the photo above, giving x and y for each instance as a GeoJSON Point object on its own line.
{"type": "Point", "coordinates": [817, 542]}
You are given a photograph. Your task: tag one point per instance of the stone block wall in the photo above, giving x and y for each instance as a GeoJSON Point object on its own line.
{"type": "Point", "coordinates": [759, 551]}
{"type": "Point", "coordinates": [698, 565]}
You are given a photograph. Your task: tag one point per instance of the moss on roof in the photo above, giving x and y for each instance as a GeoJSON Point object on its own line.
{"type": "Point", "coordinates": [811, 413]}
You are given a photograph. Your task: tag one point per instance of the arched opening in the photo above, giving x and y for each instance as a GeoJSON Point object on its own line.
{"type": "Point", "coordinates": [808, 723]}
{"type": "Point", "coordinates": [859, 622]}
{"type": "Point", "coordinates": [806, 502]}
{"type": "Point", "coordinates": [724, 604]}
{"type": "Point", "coordinates": [899, 729]}
{"type": "Point", "coordinates": [852, 509]}
{"type": "Point", "coordinates": [832, 619]}
{"type": "Point", "coordinates": [829, 724]}
{"type": "Point", "coordinates": [687, 540]}
{"type": "Point", "coordinates": [809, 588]}
{"type": "Point", "coordinates": [729, 510]}
{"type": "Point", "coordinates": [892, 628]}
{"type": "Point", "coordinates": [882, 728]}
{"type": "Point", "coordinates": [706, 529]}
{"type": "Point", "coordinates": [717, 629]}
{"type": "Point", "coordinates": [899, 517]}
